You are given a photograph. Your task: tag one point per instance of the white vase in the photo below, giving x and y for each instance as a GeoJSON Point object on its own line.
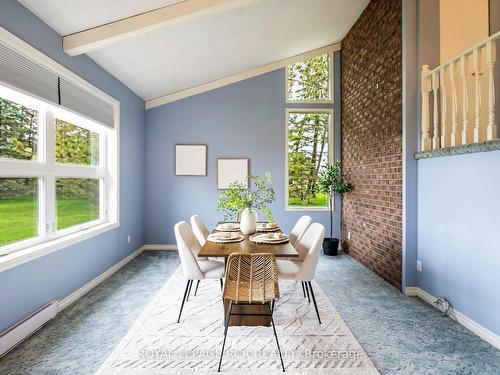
{"type": "Point", "coordinates": [248, 224]}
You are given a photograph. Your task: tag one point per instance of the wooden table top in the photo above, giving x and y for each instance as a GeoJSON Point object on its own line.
{"type": "Point", "coordinates": [212, 249]}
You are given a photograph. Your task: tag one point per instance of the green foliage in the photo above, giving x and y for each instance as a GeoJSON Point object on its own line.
{"type": "Point", "coordinates": [76, 145]}
{"type": "Point", "coordinates": [307, 155]}
{"type": "Point", "coordinates": [330, 183]}
{"type": "Point", "coordinates": [308, 80]}
{"type": "Point", "coordinates": [238, 197]}
{"type": "Point", "coordinates": [18, 131]}
{"type": "Point", "coordinates": [330, 180]}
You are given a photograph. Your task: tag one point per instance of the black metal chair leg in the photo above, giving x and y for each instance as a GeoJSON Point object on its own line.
{"type": "Point", "coordinates": [272, 308]}
{"type": "Point", "coordinates": [226, 325]}
{"type": "Point", "coordinates": [314, 300]}
{"type": "Point", "coordinates": [183, 300]}
{"type": "Point", "coordinates": [189, 291]}
{"type": "Point", "coordinates": [307, 290]}
{"type": "Point", "coordinates": [221, 286]}
{"type": "Point", "coordinates": [276, 336]}
{"type": "Point", "coordinates": [196, 290]}
{"type": "Point", "coordinates": [303, 289]}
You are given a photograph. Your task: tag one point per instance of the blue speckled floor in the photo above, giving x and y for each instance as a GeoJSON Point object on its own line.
{"type": "Point", "coordinates": [402, 335]}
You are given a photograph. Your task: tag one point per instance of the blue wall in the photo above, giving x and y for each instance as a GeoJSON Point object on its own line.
{"type": "Point", "coordinates": [245, 119]}
{"type": "Point", "coordinates": [459, 233]}
{"type": "Point", "coordinates": [55, 276]}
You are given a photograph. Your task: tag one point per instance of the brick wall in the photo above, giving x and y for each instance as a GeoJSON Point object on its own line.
{"type": "Point", "coordinates": [372, 139]}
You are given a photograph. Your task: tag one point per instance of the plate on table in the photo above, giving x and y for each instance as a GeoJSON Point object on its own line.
{"type": "Point", "coordinates": [225, 237]}
{"type": "Point", "coordinates": [269, 238]}
{"type": "Point", "coordinates": [228, 227]}
{"type": "Point", "coordinates": [267, 227]}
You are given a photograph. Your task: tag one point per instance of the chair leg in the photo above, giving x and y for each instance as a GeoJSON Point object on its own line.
{"type": "Point", "coordinates": [276, 336]}
{"type": "Point", "coordinates": [314, 300]}
{"type": "Point", "coordinates": [221, 285]}
{"type": "Point", "coordinates": [183, 300]}
{"type": "Point", "coordinates": [307, 290]}
{"type": "Point", "coordinates": [303, 289]}
{"type": "Point", "coordinates": [197, 285]}
{"type": "Point", "coordinates": [226, 325]}
{"type": "Point", "coordinates": [189, 291]}
{"type": "Point", "coordinates": [272, 307]}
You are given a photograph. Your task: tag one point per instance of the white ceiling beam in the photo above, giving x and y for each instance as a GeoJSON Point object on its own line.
{"type": "Point", "coordinates": [158, 19]}
{"type": "Point", "coordinates": [156, 102]}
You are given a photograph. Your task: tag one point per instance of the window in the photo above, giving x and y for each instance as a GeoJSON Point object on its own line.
{"type": "Point", "coordinates": [57, 172]}
{"type": "Point", "coordinates": [310, 81]}
{"type": "Point", "coordinates": [309, 149]}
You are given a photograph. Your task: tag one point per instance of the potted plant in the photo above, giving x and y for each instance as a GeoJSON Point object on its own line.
{"type": "Point", "coordinates": [330, 183]}
{"type": "Point", "coordinates": [243, 199]}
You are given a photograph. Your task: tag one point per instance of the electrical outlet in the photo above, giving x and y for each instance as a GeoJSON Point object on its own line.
{"type": "Point", "coordinates": [348, 235]}
{"type": "Point", "coordinates": [419, 265]}
{"type": "Point", "coordinates": [128, 238]}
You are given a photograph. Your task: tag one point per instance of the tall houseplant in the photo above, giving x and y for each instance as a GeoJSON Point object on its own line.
{"type": "Point", "coordinates": [330, 183]}
{"type": "Point", "coordinates": [241, 198]}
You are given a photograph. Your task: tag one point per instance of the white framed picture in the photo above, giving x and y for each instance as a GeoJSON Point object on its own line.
{"type": "Point", "coordinates": [190, 160]}
{"type": "Point", "coordinates": [231, 170]}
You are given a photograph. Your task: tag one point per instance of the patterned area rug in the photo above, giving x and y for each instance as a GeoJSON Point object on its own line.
{"type": "Point", "coordinates": [157, 344]}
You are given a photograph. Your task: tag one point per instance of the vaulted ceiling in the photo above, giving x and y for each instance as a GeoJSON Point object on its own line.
{"type": "Point", "coordinates": [206, 45]}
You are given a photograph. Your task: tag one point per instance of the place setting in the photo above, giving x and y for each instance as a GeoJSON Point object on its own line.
{"type": "Point", "coordinates": [228, 227]}
{"type": "Point", "coordinates": [225, 237]}
{"type": "Point", "coordinates": [264, 226]}
{"type": "Point", "coordinates": [269, 238]}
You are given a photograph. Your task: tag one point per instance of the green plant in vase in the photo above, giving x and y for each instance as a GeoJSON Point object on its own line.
{"type": "Point", "coordinates": [258, 193]}
{"type": "Point", "coordinates": [330, 183]}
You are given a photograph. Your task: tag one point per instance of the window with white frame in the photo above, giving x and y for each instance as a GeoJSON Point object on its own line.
{"type": "Point", "coordinates": [310, 81]}
{"type": "Point", "coordinates": [55, 172]}
{"type": "Point", "coordinates": [309, 148]}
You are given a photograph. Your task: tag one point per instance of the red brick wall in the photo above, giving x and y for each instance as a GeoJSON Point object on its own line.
{"type": "Point", "coordinates": [372, 139]}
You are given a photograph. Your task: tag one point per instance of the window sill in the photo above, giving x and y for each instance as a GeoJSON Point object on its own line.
{"type": "Point", "coordinates": [33, 252]}
{"type": "Point", "coordinates": [313, 209]}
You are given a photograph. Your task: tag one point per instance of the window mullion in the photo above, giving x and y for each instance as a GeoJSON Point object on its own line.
{"type": "Point", "coordinates": [50, 180]}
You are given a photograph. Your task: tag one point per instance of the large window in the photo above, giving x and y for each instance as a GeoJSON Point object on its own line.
{"type": "Point", "coordinates": [309, 144]}
{"type": "Point", "coordinates": [56, 172]}
{"type": "Point", "coordinates": [309, 131]}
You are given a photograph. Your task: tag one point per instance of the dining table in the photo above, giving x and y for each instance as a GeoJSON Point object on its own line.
{"type": "Point", "coordinates": [246, 246]}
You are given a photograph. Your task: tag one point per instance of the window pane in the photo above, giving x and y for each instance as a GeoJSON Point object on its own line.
{"type": "Point", "coordinates": [18, 131]}
{"type": "Point", "coordinates": [307, 156]}
{"type": "Point", "coordinates": [308, 80]}
{"type": "Point", "coordinates": [77, 201]}
{"type": "Point", "coordinates": [18, 209]}
{"type": "Point", "coordinates": [76, 145]}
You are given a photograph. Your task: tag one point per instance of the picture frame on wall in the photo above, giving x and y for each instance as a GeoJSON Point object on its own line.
{"type": "Point", "coordinates": [190, 160]}
{"type": "Point", "coordinates": [230, 170]}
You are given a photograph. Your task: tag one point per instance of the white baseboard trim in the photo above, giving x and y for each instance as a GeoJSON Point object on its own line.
{"type": "Point", "coordinates": [160, 247]}
{"type": "Point", "coordinates": [99, 279]}
{"type": "Point", "coordinates": [462, 319]}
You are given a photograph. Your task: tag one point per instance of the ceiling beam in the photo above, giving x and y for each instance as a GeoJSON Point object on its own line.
{"type": "Point", "coordinates": [156, 102]}
{"type": "Point", "coordinates": [158, 19]}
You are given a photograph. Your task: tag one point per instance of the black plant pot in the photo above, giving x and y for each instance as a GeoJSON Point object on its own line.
{"type": "Point", "coordinates": [331, 246]}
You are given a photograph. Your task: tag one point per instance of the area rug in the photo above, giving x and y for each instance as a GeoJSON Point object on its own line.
{"type": "Point", "coordinates": [157, 344]}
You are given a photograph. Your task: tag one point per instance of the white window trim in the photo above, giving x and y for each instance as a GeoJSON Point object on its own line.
{"type": "Point", "coordinates": [331, 100]}
{"type": "Point", "coordinates": [331, 150]}
{"type": "Point", "coordinates": [33, 248]}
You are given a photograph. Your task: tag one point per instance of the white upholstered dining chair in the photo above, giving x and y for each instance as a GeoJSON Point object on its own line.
{"type": "Point", "coordinates": [304, 268]}
{"type": "Point", "coordinates": [200, 230]}
{"type": "Point", "coordinates": [193, 268]}
{"type": "Point", "coordinates": [299, 229]}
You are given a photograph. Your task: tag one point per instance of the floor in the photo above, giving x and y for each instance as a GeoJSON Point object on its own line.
{"type": "Point", "coordinates": [402, 335]}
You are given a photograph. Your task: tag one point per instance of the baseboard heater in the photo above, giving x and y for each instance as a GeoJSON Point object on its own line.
{"type": "Point", "coordinates": [21, 330]}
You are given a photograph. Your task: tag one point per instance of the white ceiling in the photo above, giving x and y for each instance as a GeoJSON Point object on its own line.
{"type": "Point", "coordinates": [205, 49]}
